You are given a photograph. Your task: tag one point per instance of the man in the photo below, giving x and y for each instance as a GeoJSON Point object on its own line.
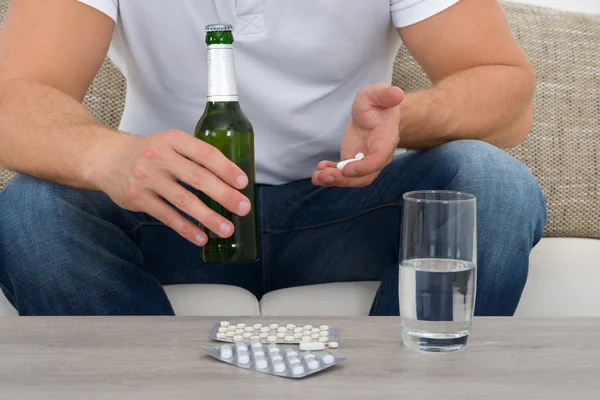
{"type": "Point", "coordinates": [96, 222]}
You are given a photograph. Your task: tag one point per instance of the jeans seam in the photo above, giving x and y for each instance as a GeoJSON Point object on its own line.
{"type": "Point", "coordinates": [377, 298]}
{"type": "Point", "coordinates": [335, 221]}
{"type": "Point", "coordinates": [267, 259]}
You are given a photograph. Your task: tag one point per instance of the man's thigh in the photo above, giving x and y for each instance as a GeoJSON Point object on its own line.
{"type": "Point", "coordinates": [331, 234]}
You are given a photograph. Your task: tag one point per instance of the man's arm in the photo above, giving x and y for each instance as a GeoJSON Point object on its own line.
{"type": "Point", "coordinates": [483, 84]}
{"type": "Point", "coordinates": [50, 51]}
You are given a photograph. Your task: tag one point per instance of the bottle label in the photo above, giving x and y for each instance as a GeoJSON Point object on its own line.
{"type": "Point", "coordinates": [221, 82]}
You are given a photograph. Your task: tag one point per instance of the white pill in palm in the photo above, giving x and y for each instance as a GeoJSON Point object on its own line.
{"type": "Point", "coordinates": [272, 338]}
{"type": "Point", "coordinates": [238, 338]}
{"type": "Point", "coordinates": [334, 345]}
{"type": "Point", "coordinates": [225, 323]}
{"type": "Point", "coordinates": [279, 367]}
{"type": "Point", "coordinates": [274, 326]}
{"type": "Point", "coordinates": [359, 156]}
{"type": "Point", "coordinates": [327, 358]}
{"type": "Point", "coordinates": [282, 329]}
{"type": "Point", "coordinates": [298, 369]}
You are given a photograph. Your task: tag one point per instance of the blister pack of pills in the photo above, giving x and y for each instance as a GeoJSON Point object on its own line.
{"type": "Point", "coordinates": [271, 359]}
{"type": "Point", "coordinates": [226, 331]}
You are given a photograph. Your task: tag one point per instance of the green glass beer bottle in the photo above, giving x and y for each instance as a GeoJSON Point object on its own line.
{"type": "Point", "coordinates": [225, 126]}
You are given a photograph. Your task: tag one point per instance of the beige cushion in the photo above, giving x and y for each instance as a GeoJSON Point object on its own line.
{"type": "Point", "coordinates": [340, 299]}
{"type": "Point", "coordinates": [193, 300]}
{"type": "Point", "coordinates": [563, 279]}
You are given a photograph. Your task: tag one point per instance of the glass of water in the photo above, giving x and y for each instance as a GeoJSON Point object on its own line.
{"type": "Point", "coordinates": [438, 270]}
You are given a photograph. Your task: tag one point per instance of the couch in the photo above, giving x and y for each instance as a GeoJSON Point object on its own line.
{"type": "Point", "coordinates": [562, 151]}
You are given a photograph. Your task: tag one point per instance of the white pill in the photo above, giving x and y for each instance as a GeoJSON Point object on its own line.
{"type": "Point", "coordinates": [225, 323]}
{"type": "Point", "coordinates": [315, 330]}
{"type": "Point", "coordinates": [290, 326]}
{"type": "Point", "coordinates": [221, 335]}
{"type": "Point", "coordinates": [298, 335]}
{"type": "Point", "coordinates": [263, 335]}
{"type": "Point", "coordinates": [255, 338]}
{"type": "Point", "coordinates": [315, 336]}
{"type": "Point", "coordinates": [305, 339]}
{"type": "Point", "coordinates": [308, 356]}
{"type": "Point", "coordinates": [298, 369]}
{"type": "Point", "coordinates": [324, 327]}
{"type": "Point", "coordinates": [247, 335]}
{"type": "Point", "coordinates": [241, 325]}
{"type": "Point", "coordinates": [306, 333]}
{"type": "Point", "coordinates": [310, 346]}
{"type": "Point", "coordinates": [327, 358]}
{"type": "Point", "coordinates": [291, 353]}
{"type": "Point", "coordinates": [312, 364]}
{"type": "Point", "coordinates": [324, 333]}
{"type": "Point", "coordinates": [243, 358]}
{"type": "Point", "coordinates": [273, 348]}
{"type": "Point", "coordinates": [241, 346]}
{"type": "Point", "coordinates": [255, 344]}
{"type": "Point", "coordinates": [307, 327]}
{"type": "Point", "coordinates": [280, 335]}
{"type": "Point", "coordinates": [282, 329]}
{"type": "Point", "coordinates": [279, 367]}
{"type": "Point", "coordinates": [298, 329]}
{"type": "Point", "coordinates": [334, 345]}
{"type": "Point", "coordinates": [264, 329]}
{"type": "Point", "coordinates": [272, 338]}
{"type": "Point", "coordinates": [226, 351]}
{"type": "Point", "coordinates": [276, 357]}
{"type": "Point", "coordinates": [231, 328]}
{"type": "Point", "coordinates": [222, 329]}
{"type": "Point", "coordinates": [289, 338]}
{"type": "Point", "coordinates": [323, 339]}
{"type": "Point", "coordinates": [258, 353]}
{"type": "Point", "coordinates": [237, 338]}
{"type": "Point", "coordinates": [230, 333]}
{"type": "Point", "coordinates": [239, 331]}
{"type": "Point", "coordinates": [359, 156]}
{"type": "Point", "coordinates": [294, 361]}
{"type": "Point", "coordinates": [274, 326]}
{"type": "Point", "coordinates": [248, 329]}
{"type": "Point", "coordinates": [257, 326]}
{"type": "Point", "coordinates": [260, 362]}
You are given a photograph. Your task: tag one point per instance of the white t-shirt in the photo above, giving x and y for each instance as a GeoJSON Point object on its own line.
{"type": "Point", "coordinates": [299, 65]}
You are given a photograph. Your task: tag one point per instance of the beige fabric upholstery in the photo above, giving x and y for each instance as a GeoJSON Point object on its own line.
{"type": "Point", "coordinates": [213, 300]}
{"type": "Point", "coordinates": [562, 151]}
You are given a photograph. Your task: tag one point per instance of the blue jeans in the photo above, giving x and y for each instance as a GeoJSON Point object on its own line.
{"type": "Point", "coordinates": [65, 251]}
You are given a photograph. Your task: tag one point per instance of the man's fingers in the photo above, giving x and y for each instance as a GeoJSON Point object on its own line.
{"type": "Point", "coordinates": [383, 95]}
{"type": "Point", "coordinates": [187, 202]}
{"type": "Point", "coordinates": [166, 214]}
{"type": "Point", "coordinates": [334, 177]}
{"type": "Point", "coordinates": [208, 183]}
{"type": "Point", "coordinates": [210, 158]}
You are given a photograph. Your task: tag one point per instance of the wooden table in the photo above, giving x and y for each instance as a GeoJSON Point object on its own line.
{"type": "Point", "coordinates": [160, 358]}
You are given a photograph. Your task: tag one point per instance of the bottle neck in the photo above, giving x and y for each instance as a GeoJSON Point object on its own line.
{"type": "Point", "coordinates": [221, 83]}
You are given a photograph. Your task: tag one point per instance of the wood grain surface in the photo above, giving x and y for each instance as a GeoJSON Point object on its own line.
{"type": "Point", "coordinates": [160, 358]}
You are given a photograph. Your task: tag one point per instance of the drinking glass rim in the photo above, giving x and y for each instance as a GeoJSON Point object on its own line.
{"type": "Point", "coordinates": [466, 197]}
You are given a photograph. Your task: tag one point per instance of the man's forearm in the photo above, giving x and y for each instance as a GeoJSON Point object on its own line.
{"type": "Point", "coordinates": [488, 103]}
{"type": "Point", "coordinates": [46, 133]}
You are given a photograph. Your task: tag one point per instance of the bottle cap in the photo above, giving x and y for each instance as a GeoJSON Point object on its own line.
{"type": "Point", "coordinates": [219, 28]}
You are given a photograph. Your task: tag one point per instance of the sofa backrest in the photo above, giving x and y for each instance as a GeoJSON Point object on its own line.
{"type": "Point", "coordinates": [563, 150]}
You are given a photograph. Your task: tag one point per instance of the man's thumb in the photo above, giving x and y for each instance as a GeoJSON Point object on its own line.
{"type": "Point", "coordinates": [384, 95]}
